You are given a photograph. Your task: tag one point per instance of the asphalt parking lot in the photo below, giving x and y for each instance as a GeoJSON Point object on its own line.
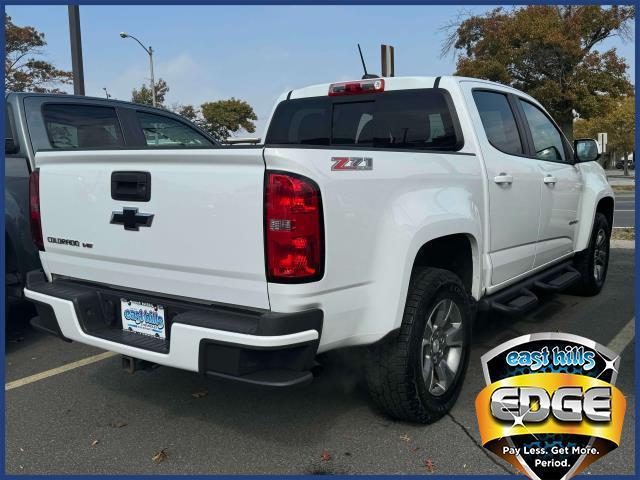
{"type": "Point", "coordinates": [97, 419]}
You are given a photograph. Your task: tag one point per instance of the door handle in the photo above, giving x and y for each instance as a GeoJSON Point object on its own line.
{"type": "Point", "coordinates": [503, 178]}
{"type": "Point", "coordinates": [131, 186]}
{"type": "Point", "coordinates": [550, 180]}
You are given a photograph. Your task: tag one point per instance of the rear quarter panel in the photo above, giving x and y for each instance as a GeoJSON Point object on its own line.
{"type": "Point", "coordinates": [375, 223]}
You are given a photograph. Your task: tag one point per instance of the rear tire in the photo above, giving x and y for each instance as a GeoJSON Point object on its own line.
{"type": "Point", "coordinates": [416, 374]}
{"type": "Point", "coordinates": [593, 262]}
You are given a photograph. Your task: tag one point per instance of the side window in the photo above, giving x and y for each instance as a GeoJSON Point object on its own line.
{"type": "Point", "coordinates": [160, 131]}
{"type": "Point", "coordinates": [498, 121]}
{"type": "Point", "coordinates": [10, 140]}
{"type": "Point", "coordinates": [7, 126]}
{"type": "Point", "coordinates": [81, 126]}
{"type": "Point", "coordinates": [546, 138]}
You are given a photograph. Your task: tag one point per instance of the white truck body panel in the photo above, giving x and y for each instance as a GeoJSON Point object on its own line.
{"type": "Point", "coordinates": [206, 242]}
{"type": "Point", "coordinates": [372, 238]}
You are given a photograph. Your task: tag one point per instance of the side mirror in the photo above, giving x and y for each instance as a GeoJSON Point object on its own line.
{"type": "Point", "coordinates": [10, 146]}
{"type": "Point", "coordinates": [587, 150]}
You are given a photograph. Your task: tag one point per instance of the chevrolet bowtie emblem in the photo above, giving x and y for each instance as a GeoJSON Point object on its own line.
{"type": "Point", "coordinates": [131, 219]}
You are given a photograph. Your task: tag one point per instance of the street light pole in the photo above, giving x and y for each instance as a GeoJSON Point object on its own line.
{"type": "Point", "coordinates": [150, 53]}
{"type": "Point", "coordinates": [153, 82]}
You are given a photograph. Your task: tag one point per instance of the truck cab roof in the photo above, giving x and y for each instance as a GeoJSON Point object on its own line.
{"type": "Point", "coordinates": [402, 83]}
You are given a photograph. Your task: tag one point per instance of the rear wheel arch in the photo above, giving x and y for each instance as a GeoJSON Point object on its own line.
{"type": "Point", "coordinates": [456, 253]}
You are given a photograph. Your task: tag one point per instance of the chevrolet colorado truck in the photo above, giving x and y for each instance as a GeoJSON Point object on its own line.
{"type": "Point", "coordinates": [381, 213]}
{"type": "Point", "coordinates": [26, 115]}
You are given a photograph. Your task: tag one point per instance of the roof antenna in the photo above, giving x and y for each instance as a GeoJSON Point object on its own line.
{"type": "Point", "coordinates": [364, 67]}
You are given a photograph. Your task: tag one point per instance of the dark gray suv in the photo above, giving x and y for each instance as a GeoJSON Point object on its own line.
{"type": "Point", "coordinates": [36, 122]}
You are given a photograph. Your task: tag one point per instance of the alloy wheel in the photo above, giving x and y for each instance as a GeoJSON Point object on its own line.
{"type": "Point", "coordinates": [600, 255]}
{"type": "Point", "coordinates": [442, 345]}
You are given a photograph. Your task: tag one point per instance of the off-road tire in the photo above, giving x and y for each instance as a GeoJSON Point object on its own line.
{"type": "Point", "coordinates": [584, 261]}
{"type": "Point", "coordinates": [394, 365]}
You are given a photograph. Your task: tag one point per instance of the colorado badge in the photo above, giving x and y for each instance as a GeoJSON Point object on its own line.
{"type": "Point", "coordinates": [550, 406]}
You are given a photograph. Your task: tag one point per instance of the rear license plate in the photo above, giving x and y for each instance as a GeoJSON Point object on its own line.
{"type": "Point", "coordinates": [143, 318]}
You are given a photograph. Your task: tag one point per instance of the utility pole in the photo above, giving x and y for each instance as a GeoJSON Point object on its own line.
{"type": "Point", "coordinates": [387, 60]}
{"type": "Point", "coordinates": [76, 49]}
{"type": "Point", "coordinates": [153, 81]}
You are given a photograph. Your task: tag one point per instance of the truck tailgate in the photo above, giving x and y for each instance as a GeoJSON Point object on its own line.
{"type": "Point", "coordinates": [205, 240]}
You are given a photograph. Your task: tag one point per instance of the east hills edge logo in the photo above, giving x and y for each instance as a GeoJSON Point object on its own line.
{"type": "Point", "coordinates": [550, 406]}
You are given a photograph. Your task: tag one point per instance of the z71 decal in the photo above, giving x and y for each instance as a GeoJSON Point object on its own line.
{"type": "Point", "coordinates": [352, 163]}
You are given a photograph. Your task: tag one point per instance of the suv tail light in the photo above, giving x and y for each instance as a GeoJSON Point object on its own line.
{"type": "Point", "coordinates": [358, 87]}
{"type": "Point", "coordinates": [34, 209]}
{"type": "Point", "coordinates": [294, 244]}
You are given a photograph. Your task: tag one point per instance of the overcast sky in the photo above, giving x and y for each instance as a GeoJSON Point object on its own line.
{"type": "Point", "coordinates": [249, 52]}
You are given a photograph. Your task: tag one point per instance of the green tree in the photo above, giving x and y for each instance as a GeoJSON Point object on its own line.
{"type": "Point", "coordinates": [549, 52]}
{"type": "Point", "coordinates": [187, 111]}
{"type": "Point", "coordinates": [145, 96]}
{"type": "Point", "coordinates": [23, 70]}
{"type": "Point", "coordinates": [221, 118]}
{"type": "Point", "coordinates": [224, 117]}
{"type": "Point", "coordinates": [619, 124]}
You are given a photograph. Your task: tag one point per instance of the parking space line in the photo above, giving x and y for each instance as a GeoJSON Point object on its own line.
{"type": "Point", "coordinates": [624, 337]}
{"type": "Point", "coordinates": [58, 370]}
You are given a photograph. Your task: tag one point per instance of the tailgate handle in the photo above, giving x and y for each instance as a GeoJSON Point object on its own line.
{"type": "Point", "coordinates": [131, 186]}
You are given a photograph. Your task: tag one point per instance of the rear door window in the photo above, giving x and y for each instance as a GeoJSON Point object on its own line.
{"type": "Point", "coordinates": [161, 131]}
{"type": "Point", "coordinates": [81, 126]}
{"type": "Point", "coordinates": [422, 119]}
{"type": "Point", "coordinates": [498, 121]}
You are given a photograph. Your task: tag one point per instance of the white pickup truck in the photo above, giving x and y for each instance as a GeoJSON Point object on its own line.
{"type": "Point", "coordinates": [380, 212]}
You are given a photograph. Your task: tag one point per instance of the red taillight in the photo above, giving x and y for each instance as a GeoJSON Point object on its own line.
{"type": "Point", "coordinates": [354, 88]}
{"type": "Point", "coordinates": [34, 209]}
{"type": "Point", "coordinates": [293, 226]}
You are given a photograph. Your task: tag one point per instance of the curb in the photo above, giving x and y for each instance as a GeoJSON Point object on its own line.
{"type": "Point", "coordinates": [628, 244]}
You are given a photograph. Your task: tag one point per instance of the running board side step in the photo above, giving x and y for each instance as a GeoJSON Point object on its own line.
{"type": "Point", "coordinates": [523, 301]}
{"type": "Point", "coordinates": [557, 283]}
{"type": "Point", "coordinates": [520, 298]}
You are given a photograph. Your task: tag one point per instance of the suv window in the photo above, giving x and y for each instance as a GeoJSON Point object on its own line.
{"type": "Point", "coordinates": [81, 126]}
{"type": "Point", "coordinates": [7, 125]}
{"type": "Point", "coordinates": [421, 119]}
{"type": "Point", "coordinates": [547, 140]}
{"type": "Point", "coordinates": [161, 131]}
{"type": "Point", "coordinates": [498, 121]}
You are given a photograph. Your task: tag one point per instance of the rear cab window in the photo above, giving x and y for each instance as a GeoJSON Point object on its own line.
{"type": "Point", "coordinates": [163, 131]}
{"type": "Point", "coordinates": [498, 121]}
{"type": "Point", "coordinates": [71, 126]}
{"type": "Point", "coordinates": [419, 119]}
